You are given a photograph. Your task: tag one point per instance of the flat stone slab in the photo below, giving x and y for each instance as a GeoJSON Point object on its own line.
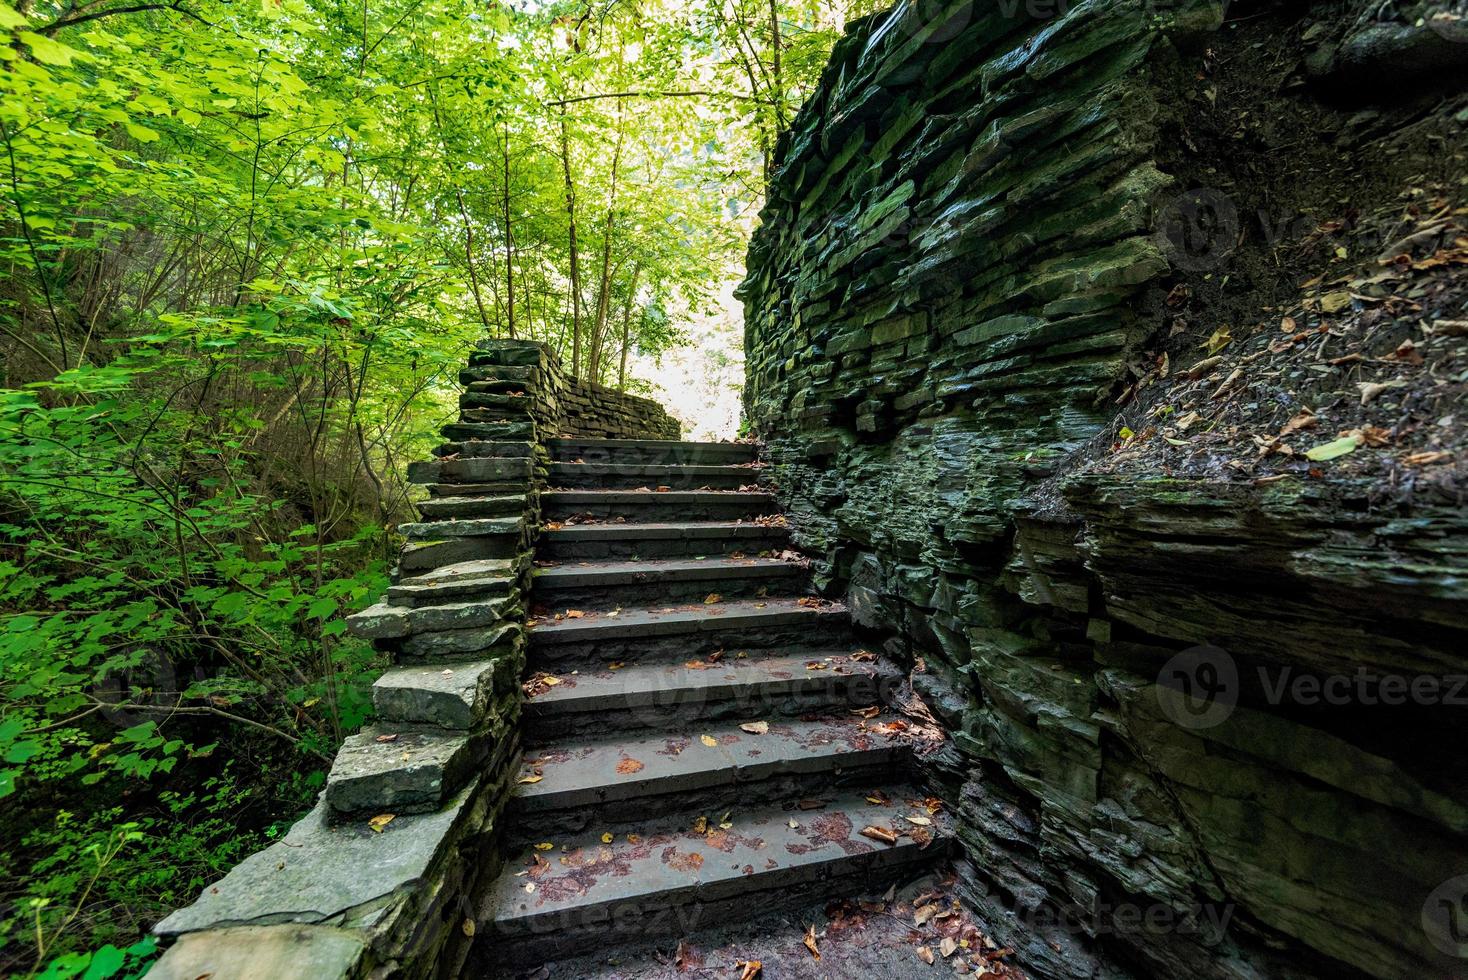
{"type": "Point", "coordinates": [672, 621]}
{"type": "Point", "coordinates": [582, 774]}
{"type": "Point", "coordinates": [455, 696]}
{"type": "Point", "coordinates": [426, 556]}
{"type": "Point", "coordinates": [448, 583]}
{"type": "Point", "coordinates": [469, 528]}
{"type": "Point", "coordinates": [386, 621]}
{"type": "Point", "coordinates": [567, 498]}
{"type": "Point", "coordinates": [736, 474]}
{"type": "Point", "coordinates": [585, 880]}
{"type": "Point", "coordinates": [440, 643]}
{"type": "Point", "coordinates": [712, 569]}
{"type": "Point", "coordinates": [651, 451]}
{"type": "Point", "coordinates": [286, 952]}
{"type": "Point", "coordinates": [390, 769]}
{"type": "Point", "coordinates": [445, 508]}
{"type": "Point", "coordinates": [469, 469]}
{"type": "Point", "coordinates": [342, 874]}
{"type": "Point", "coordinates": [755, 678]}
{"type": "Point", "coordinates": [718, 531]}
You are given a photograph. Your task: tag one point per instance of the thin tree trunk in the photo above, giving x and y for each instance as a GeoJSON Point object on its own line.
{"type": "Point", "coordinates": [575, 260]}
{"type": "Point", "coordinates": [627, 326]}
{"type": "Point", "coordinates": [509, 241]}
{"type": "Point", "coordinates": [604, 294]}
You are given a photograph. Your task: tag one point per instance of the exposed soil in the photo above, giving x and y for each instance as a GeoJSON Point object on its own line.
{"type": "Point", "coordinates": [1317, 326]}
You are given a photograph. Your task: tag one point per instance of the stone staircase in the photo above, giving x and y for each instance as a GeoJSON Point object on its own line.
{"type": "Point", "coordinates": [703, 739]}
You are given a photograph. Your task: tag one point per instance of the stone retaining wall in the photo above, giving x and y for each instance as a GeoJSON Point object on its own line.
{"type": "Point", "coordinates": [958, 280]}
{"type": "Point", "coordinates": [383, 877]}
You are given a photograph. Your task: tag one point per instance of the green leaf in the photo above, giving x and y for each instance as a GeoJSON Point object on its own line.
{"type": "Point", "coordinates": [9, 18]}
{"type": "Point", "coordinates": [106, 962]}
{"type": "Point", "coordinates": [1330, 450]}
{"type": "Point", "coordinates": [47, 51]}
{"type": "Point", "coordinates": [140, 133]}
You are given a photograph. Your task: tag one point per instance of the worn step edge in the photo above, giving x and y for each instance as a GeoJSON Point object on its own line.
{"type": "Point", "coordinates": [664, 866]}
{"type": "Point", "coordinates": [758, 679]}
{"type": "Point", "coordinates": [678, 621]}
{"type": "Point", "coordinates": [587, 773]}
{"type": "Point", "coordinates": [664, 531]}
{"type": "Point", "coordinates": [608, 573]}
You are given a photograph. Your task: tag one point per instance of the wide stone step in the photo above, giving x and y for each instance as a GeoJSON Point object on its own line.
{"type": "Point", "coordinates": [456, 583]}
{"type": "Point", "coordinates": [460, 508]}
{"type": "Point", "coordinates": [564, 475]}
{"type": "Point", "coordinates": [642, 505]}
{"type": "Point", "coordinates": [675, 876]}
{"type": "Point", "coordinates": [608, 782]}
{"type": "Point", "coordinates": [738, 685]}
{"type": "Point", "coordinates": [652, 451]}
{"type": "Point", "coordinates": [660, 540]}
{"type": "Point", "coordinates": [595, 638]}
{"type": "Point", "coordinates": [610, 584]}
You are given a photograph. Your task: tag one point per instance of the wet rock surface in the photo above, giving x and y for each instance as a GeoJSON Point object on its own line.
{"type": "Point", "coordinates": [1113, 364]}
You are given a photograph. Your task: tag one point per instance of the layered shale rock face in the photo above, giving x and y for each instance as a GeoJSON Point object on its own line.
{"type": "Point", "coordinates": [1112, 356]}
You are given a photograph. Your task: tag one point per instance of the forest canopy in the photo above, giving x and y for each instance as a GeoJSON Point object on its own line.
{"type": "Point", "coordinates": [243, 250]}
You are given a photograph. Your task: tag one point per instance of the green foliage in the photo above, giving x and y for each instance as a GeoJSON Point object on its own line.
{"type": "Point", "coordinates": [243, 251]}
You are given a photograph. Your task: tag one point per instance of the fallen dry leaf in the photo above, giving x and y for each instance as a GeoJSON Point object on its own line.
{"type": "Point", "coordinates": [756, 727]}
{"type": "Point", "coordinates": [879, 833]}
{"type": "Point", "coordinates": [708, 740]}
{"type": "Point", "coordinates": [467, 927]}
{"type": "Point", "coordinates": [948, 946]}
{"type": "Point", "coordinates": [531, 779]}
{"type": "Point", "coordinates": [920, 821]}
{"type": "Point", "coordinates": [388, 738]}
{"type": "Point", "coordinates": [751, 968]}
{"type": "Point", "coordinates": [810, 942]}
{"type": "Point", "coordinates": [379, 822]}
{"type": "Point", "coordinates": [628, 766]}
{"type": "Point", "coordinates": [712, 598]}
{"type": "Point", "coordinates": [925, 954]}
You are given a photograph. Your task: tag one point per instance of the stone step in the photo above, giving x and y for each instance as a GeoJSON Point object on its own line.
{"type": "Point", "coordinates": [660, 540]}
{"type": "Point", "coordinates": [739, 685]}
{"type": "Point", "coordinates": [456, 582]}
{"type": "Point", "coordinates": [460, 508]}
{"type": "Point", "coordinates": [569, 475]}
{"type": "Point", "coordinates": [470, 469]}
{"type": "Point", "coordinates": [483, 447]}
{"type": "Point", "coordinates": [388, 768]}
{"type": "Point", "coordinates": [642, 505]}
{"type": "Point", "coordinates": [596, 638]}
{"type": "Point", "coordinates": [610, 584]}
{"type": "Point", "coordinates": [613, 781]}
{"type": "Point", "coordinates": [653, 451]}
{"type": "Point", "coordinates": [459, 695]}
{"type": "Point", "coordinates": [671, 878]}
{"type": "Point", "coordinates": [503, 429]}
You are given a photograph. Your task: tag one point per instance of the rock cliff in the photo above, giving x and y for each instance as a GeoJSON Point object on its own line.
{"type": "Point", "coordinates": [1112, 358]}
